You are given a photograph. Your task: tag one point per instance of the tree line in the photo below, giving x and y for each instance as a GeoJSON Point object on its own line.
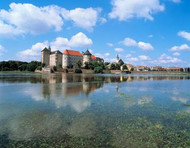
{"type": "Point", "coordinates": [20, 66]}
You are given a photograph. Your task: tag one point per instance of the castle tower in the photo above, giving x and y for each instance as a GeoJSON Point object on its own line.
{"type": "Point", "coordinates": [87, 57]}
{"type": "Point", "coordinates": [45, 56]}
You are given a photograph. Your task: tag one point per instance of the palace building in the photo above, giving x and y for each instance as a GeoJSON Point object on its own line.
{"type": "Point", "coordinates": [67, 59]}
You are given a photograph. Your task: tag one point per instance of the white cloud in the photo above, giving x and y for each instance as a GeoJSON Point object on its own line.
{"type": "Point", "coordinates": [27, 18]}
{"type": "Point", "coordinates": [184, 34]}
{"type": "Point", "coordinates": [104, 56]}
{"type": "Point", "coordinates": [145, 46]}
{"type": "Point", "coordinates": [84, 18]}
{"type": "Point", "coordinates": [180, 48]}
{"type": "Point", "coordinates": [142, 45]}
{"type": "Point", "coordinates": [2, 50]}
{"type": "Point", "coordinates": [80, 40]}
{"type": "Point", "coordinates": [144, 57]}
{"type": "Point", "coordinates": [119, 49]}
{"type": "Point", "coordinates": [150, 36]}
{"type": "Point", "coordinates": [91, 51]}
{"type": "Point", "coordinates": [176, 54]}
{"type": "Point", "coordinates": [176, 1]}
{"type": "Point", "coordinates": [60, 43]}
{"type": "Point", "coordinates": [127, 9]}
{"type": "Point", "coordinates": [128, 55]}
{"type": "Point", "coordinates": [107, 54]}
{"type": "Point", "coordinates": [110, 44]}
{"type": "Point", "coordinates": [165, 59]}
{"type": "Point", "coordinates": [129, 42]}
{"type": "Point", "coordinates": [8, 30]}
{"type": "Point", "coordinates": [33, 53]}
{"type": "Point", "coordinates": [132, 59]}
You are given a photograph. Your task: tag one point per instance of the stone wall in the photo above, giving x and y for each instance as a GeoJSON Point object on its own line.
{"type": "Point", "coordinates": [45, 57]}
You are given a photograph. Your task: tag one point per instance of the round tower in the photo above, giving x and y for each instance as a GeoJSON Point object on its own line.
{"type": "Point", "coordinates": [87, 57]}
{"type": "Point", "coordinates": [65, 59]}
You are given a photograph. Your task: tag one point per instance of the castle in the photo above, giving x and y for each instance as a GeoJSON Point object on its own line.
{"type": "Point", "coordinates": [67, 59]}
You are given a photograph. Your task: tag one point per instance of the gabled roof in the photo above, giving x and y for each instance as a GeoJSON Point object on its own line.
{"type": "Point", "coordinates": [72, 52]}
{"type": "Point", "coordinates": [57, 51]}
{"type": "Point", "coordinates": [87, 52]}
{"type": "Point", "coordinates": [93, 57]}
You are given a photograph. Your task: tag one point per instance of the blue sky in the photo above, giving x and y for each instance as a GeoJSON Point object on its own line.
{"type": "Point", "coordinates": [149, 33]}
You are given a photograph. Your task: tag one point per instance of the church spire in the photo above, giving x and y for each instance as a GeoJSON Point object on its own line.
{"type": "Point", "coordinates": [117, 58]}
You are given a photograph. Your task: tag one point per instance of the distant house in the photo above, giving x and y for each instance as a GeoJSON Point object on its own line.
{"type": "Point", "coordinates": [186, 69]}
{"type": "Point", "coordinates": [173, 69]}
{"type": "Point", "coordinates": [158, 68]}
{"type": "Point", "coordinates": [141, 68]}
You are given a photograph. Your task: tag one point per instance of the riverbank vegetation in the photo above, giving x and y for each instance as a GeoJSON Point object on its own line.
{"type": "Point", "coordinates": [20, 66]}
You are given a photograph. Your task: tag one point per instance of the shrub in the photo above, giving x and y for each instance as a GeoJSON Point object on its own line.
{"type": "Point", "coordinates": [78, 70]}
{"type": "Point", "coordinates": [54, 68]}
{"type": "Point", "coordinates": [79, 63]}
{"type": "Point", "coordinates": [125, 67]}
{"type": "Point", "coordinates": [39, 68]}
{"type": "Point", "coordinates": [112, 67]}
{"type": "Point", "coordinates": [98, 69]}
{"type": "Point", "coordinates": [117, 67]}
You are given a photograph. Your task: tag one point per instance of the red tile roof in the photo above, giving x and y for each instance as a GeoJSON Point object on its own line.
{"type": "Point", "coordinates": [93, 57]}
{"type": "Point", "coordinates": [72, 52]}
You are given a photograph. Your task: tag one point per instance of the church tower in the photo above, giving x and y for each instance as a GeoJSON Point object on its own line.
{"type": "Point", "coordinates": [117, 58]}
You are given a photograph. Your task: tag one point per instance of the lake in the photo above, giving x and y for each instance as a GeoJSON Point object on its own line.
{"type": "Point", "coordinates": [73, 110]}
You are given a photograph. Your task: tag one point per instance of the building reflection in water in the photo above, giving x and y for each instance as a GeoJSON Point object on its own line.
{"type": "Point", "coordinates": [73, 90]}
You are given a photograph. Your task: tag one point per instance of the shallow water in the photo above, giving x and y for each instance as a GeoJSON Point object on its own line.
{"type": "Point", "coordinates": [72, 110]}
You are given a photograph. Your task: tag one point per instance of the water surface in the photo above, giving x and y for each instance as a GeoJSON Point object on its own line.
{"type": "Point", "coordinates": [72, 110]}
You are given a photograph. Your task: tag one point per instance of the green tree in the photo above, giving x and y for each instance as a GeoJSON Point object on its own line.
{"type": "Point", "coordinates": [117, 67]}
{"type": "Point", "coordinates": [79, 64]}
{"type": "Point", "coordinates": [86, 65]}
{"type": "Point", "coordinates": [98, 69]}
{"type": "Point", "coordinates": [112, 67]}
{"type": "Point", "coordinates": [22, 67]}
{"type": "Point", "coordinates": [125, 67]}
{"type": "Point", "coordinates": [121, 63]}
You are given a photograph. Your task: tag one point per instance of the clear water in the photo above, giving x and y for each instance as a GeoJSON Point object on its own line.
{"type": "Point", "coordinates": [60, 110]}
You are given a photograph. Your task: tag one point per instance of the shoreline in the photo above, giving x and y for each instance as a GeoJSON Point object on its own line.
{"type": "Point", "coordinates": [132, 73]}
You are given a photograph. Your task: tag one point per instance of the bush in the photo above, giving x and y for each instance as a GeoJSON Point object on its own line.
{"type": "Point", "coordinates": [98, 69]}
{"type": "Point", "coordinates": [78, 70]}
{"type": "Point", "coordinates": [43, 65]}
{"type": "Point", "coordinates": [54, 68]}
{"type": "Point", "coordinates": [22, 67]}
{"type": "Point", "coordinates": [39, 68]}
{"type": "Point", "coordinates": [117, 67]}
{"type": "Point", "coordinates": [125, 67]}
{"type": "Point", "coordinates": [112, 67]}
{"type": "Point", "coordinates": [79, 63]}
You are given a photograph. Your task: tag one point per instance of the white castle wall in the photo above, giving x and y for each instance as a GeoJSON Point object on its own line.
{"type": "Point", "coordinates": [55, 59]}
{"type": "Point", "coordinates": [69, 60]}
